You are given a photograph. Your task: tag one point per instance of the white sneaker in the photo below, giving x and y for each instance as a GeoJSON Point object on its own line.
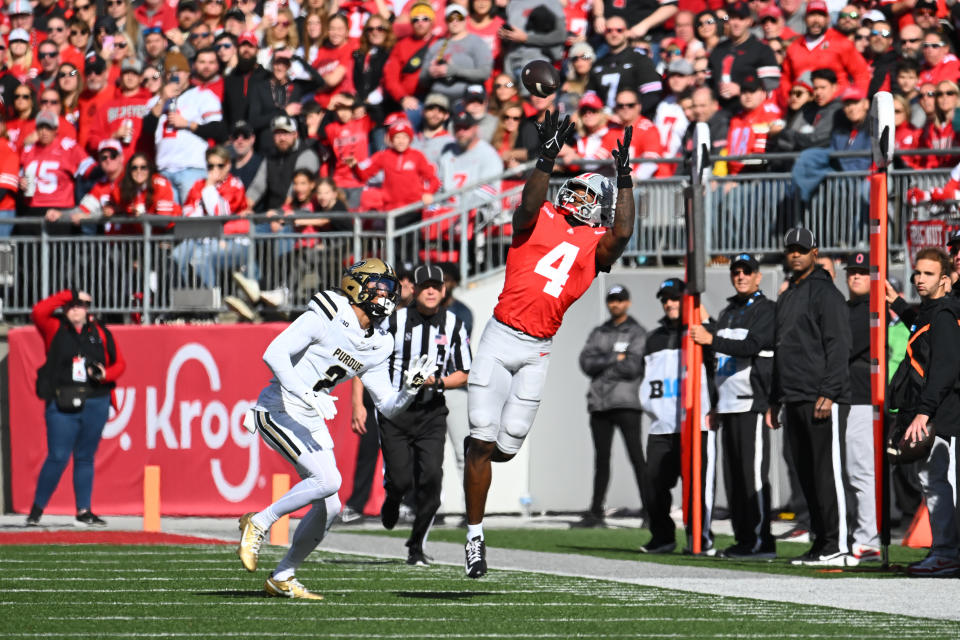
{"type": "Point", "coordinates": [349, 515]}
{"type": "Point", "coordinates": [249, 286]}
{"type": "Point", "coordinates": [867, 553]}
{"type": "Point", "coordinates": [273, 298]}
{"type": "Point", "coordinates": [838, 559]}
{"type": "Point", "coordinates": [240, 307]}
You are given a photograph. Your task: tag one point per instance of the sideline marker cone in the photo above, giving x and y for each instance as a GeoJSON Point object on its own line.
{"type": "Point", "coordinates": [919, 535]}
{"type": "Point", "coordinates": [280, 532]}
{"type": "Point", "coordinates": [151, 498]}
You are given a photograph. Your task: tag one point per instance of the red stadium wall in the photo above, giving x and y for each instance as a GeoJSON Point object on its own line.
{"type": "Point", "coordinates": [180, 405]}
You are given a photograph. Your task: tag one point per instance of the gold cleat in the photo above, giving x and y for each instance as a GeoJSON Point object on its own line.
{"type": "Point", "coordinates": [289, 589]}
{"type": "Point", "coordinates": [251, 537]}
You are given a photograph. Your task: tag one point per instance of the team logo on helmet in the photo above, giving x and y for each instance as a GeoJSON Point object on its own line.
{"type": "Point", "coordinates": [587, 197]}
{"type": "Point", "coordinates": [373, 286]}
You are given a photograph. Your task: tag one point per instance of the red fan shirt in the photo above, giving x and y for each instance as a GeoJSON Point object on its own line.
{"type": "Point", "coordinates": [55, 167]}
{"type": "Point", "coordinates": [9, 174]}
{"type": "Point", "coordinates": [232, 200]}
{"type": "Point", "coordinates": [164, 204]}
{"type": "Point", "coordinates": [748, 133]}
{"type": "Point", "coordinates": [406, 176]}
{"type": "Point", "coordinates": [349, 140]}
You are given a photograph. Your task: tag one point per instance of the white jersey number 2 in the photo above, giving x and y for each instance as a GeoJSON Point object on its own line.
{"type": "Point", "coordinates": [557, 274]}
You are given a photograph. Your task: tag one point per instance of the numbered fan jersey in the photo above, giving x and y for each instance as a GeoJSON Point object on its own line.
{"type": "Point", "coordinates": [548, 269]}
{"type": "Point", "coordinates": [337, 349]}
{"type": "Point", "coordinates": [55, 167]}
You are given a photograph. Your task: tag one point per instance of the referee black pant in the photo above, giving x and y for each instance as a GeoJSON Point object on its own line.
{"type": "Point", "coordinates": [602, 426]}
{"type": "Point", "coordinates": [413, 459]}
{"type": "Point", "coordinates": [664, 468]}
{"type": "Point", "coordinates": [819, 455]}
{"type": "Point", "coordinates": [368, 450]}
{"type": "Point", "coordinates": [746, 471]}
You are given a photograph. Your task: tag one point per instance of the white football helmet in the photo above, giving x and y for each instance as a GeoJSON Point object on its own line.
{"type": "Point", "coordinates": [589, 207]}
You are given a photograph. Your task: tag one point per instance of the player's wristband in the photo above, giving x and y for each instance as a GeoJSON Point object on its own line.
{"type": "Point", "coordinates": [545, 164]}
{"type": "Point", "coordinates": [625, 182]}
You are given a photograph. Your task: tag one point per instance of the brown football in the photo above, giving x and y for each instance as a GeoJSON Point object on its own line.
{"type": "Point", "coordinates": [540, 78]}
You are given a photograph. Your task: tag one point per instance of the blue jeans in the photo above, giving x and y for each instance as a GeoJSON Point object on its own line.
{"type": "Point", "coordinates": [208, 257]}
{"type": "Point", "coordinates": [77, 434]}
{"type": "Point", "coordinates": [6, 229]}
{"type": "Point", "coordinates": [183, 180]}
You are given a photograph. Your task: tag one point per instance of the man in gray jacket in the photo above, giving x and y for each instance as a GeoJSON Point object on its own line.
{"type": "Point", "coordinates": [613, 358]}
{"type": "Point", "coordinates": [457, 61]}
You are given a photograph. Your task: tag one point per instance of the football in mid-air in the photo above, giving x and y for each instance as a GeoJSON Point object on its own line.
{"type": "Point", "coordinates": [540, 78]}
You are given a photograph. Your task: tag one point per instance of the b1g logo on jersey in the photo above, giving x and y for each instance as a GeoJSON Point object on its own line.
{"type": "Point", "coordinates": [669, 388]}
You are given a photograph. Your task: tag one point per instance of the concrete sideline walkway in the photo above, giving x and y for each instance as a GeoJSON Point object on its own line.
{"type": "Point", "coordinates": [899, 596]}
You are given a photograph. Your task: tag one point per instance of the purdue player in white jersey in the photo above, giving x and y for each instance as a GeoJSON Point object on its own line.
{"type": "Point", "coordinates": [335, 340]}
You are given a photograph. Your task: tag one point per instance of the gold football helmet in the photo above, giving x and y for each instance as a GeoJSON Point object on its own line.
{"type": "Point", "coordinates": [373, 286]}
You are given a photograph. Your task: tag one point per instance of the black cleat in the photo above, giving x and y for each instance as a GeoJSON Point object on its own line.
{"type": "Point", "coordinates": [476, 562]}
{"type": "Point", "coordinates": [590, 521]}
{"type": "Point", "coordinates": [87, 519]}
{"type": "Point", "coordinates": [33, 520]}
{"type": "Point", "coordinates": [417, 558]}
{"type": "Point", "coordinates": [389, 513]}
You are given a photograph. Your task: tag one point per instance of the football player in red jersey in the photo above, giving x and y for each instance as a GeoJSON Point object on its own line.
{"type": "Point", "coordinates": [557, 250]}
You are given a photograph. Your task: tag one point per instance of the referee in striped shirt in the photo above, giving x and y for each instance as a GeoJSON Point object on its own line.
{"type": "Point", "coordinates": [412, 442]}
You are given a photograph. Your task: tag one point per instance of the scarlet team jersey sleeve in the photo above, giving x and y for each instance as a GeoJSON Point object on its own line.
{"type": "Point", "coordinates": [83, 164]}
{"type": "Point", "coordinates": [9, 168]}
{"type": "Point", "coordinates": [366, 169]}
{"type": "Point", "coordinates": [163, 197]}
{"type": "Point", "coordinates": [548, 269]}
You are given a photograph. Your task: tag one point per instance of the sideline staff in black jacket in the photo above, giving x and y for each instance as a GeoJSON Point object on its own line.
{"type": "Point", "coordinates": [742, 341]}
{"type": "Point", "coordinates": [925, 390]}
{"type": "Point", "coordinates": [812, 381]}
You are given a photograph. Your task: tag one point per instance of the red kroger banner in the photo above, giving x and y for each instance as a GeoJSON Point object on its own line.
{"type": "Point", "coordinates": [180, 404]}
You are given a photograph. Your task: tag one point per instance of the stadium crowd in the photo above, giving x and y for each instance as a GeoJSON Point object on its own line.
{"type": "Point", "coordinates": [110, 107]}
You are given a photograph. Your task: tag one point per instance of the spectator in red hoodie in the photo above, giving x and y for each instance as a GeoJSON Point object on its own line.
{"type": "Point", "coordinates": [95, 94]}
{"type": "Point", "coordinates": [408, 176]}
{"type": "Point", "coordinates": [823, 48]}
{"type": "Point", "coordinates": [348, 136]}
{"type": "Point", "coordinates": [401, 73]}
{"type": "Point", "coordinates": [76, 383]}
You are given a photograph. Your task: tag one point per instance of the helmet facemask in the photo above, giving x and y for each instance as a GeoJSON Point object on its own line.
{"type": "Point", "coordinates": [586, 206]}
{"type": "Point", "coordinates": [382, 295]}
{"type": "Point", "coordinates": [373, 286]}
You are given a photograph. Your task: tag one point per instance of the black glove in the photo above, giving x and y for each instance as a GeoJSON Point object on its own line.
{"type": "Point", "coordinates": [553, 134]}
{"type": "Point", "coordinates": [622, 156]}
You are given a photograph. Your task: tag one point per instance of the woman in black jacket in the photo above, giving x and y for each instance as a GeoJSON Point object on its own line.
{"type": "Point", "coordinates": [368, 60]}
{"type": "Point", "coordinates": [77, 380]}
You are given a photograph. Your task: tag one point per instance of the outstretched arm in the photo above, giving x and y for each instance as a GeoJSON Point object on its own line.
{"type": "Point", "coordinates": [553, 134]}
{"type": "Point", "coordinates": [613, 243]}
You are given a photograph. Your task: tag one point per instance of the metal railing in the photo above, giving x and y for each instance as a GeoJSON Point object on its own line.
{"type": "Point", "coordinates": [160, 275]}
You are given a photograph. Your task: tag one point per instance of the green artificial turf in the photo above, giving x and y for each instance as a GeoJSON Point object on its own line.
{"type": "Point", "coordinates": [201, 592]}
{"type": "Point", "coordinates": [619, 543]}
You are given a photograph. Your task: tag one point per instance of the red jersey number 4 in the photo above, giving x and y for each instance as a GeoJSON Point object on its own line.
{"type": "Point", "coordinates": [555, 267]}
